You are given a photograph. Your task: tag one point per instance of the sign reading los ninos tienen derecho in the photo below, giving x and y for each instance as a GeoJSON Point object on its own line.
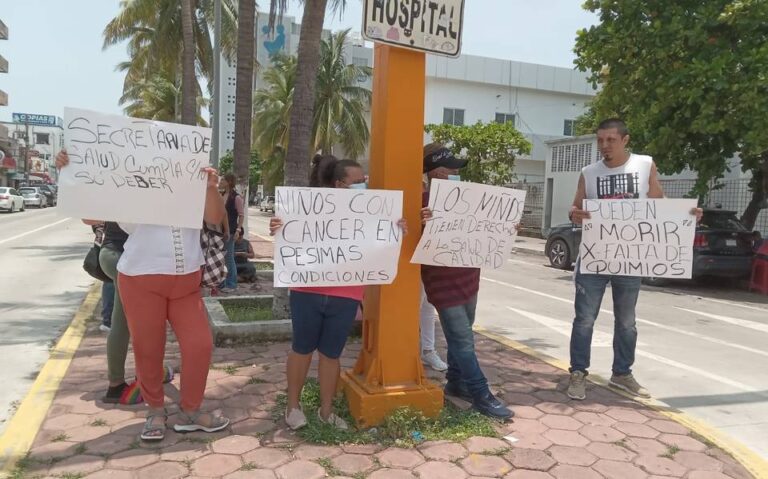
{"type": "Point", "coordinates": [432, 26]}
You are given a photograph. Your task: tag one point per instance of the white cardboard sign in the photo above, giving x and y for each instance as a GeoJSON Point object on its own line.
{"type": "Point", "coordinates": [648, 238]}
{"type": "Point", "coordinates": [337, 236]}
{"type": "Point", "coordinates": [473, 225]}
{"type": "Point", "coordinates": [133, 170]}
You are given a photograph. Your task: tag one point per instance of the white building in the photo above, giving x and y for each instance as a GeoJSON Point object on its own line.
{"type": "Point", "coordinates": [542, 101]}
{"type": "Point", "coordinates": [44, 143]}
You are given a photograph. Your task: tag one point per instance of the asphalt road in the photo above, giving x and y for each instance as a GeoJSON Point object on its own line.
{"type": "Point", "coordinates": [701, 348]}
{"type": "Point", "coordinates": [42, 284]}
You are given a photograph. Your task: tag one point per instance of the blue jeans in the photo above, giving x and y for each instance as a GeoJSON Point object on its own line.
{"type": "Point", "coordinates": [108, 302]}
{"type": "Point", "coordinates": [321, 322]}
{"type": "Point", "coordinates": [231, 280]}
{"type": "Point", "coordinates": [463, 368]}
{"type": "Point", "coordinates": [589, 295]}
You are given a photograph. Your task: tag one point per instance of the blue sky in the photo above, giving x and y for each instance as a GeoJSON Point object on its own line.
{"type": "Point", "coordinates": [56, 60]}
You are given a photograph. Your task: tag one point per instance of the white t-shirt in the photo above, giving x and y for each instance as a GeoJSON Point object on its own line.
{"type": "Point", "coordinates": [628, 181]}
{"type": "Point", "coordinates": [152, 249]}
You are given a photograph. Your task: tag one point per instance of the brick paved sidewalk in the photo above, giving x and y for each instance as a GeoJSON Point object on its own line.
{"type": "Point", "coordinates": [606, 436]}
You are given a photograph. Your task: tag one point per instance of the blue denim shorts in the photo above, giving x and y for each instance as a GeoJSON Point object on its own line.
{"type": "Point", "coordinates": [321, 322]}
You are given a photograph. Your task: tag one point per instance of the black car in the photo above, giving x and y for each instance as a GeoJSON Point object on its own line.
{"type": "Point", "coordinates": [50, 194]}
{"type": "Point", "coordinates": [722, 246]}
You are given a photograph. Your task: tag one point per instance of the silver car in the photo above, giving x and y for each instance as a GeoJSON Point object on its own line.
{"type": "Point", "coordinates": [33, 196]}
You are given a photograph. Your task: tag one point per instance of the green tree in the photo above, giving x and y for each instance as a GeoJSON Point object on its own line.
{"type": "Point", "coordinates": [690, 78]}
{"type": "Point", "coordinates": [227, 162]}
{"type": "Point", "coordinates": [490, 148]}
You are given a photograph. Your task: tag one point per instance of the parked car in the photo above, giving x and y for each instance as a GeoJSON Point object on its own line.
{"type": "Point", "coordinates": [268, 204]}
{"type": "Point", "coordinates": [50, 193]}
{"type": "Point", "coordinates": [11, 200]}
{"type": "Point", "coordinates": [722, 247]}
{"type": "Point", "coordinates": [33, 196]}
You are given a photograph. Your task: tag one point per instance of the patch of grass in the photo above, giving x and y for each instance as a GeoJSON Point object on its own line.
{"type": "Point", "coordinates": [231, 370]}
{"type": "Point", "coordinates": [135, 444]}
{"type": "Point", "coordinates": [248, 310]}
{"type": "Point", "coordinates": [248, 466]}
{"type": "Point", "coordinates": [330, 470]}
{"type": "Point", "coordinates": [671, 451]}
{"type": "Point", "coordinates": [72, 475]}
{"type": "Point", "coordinates": [403, 427]}
{"type": "Point", "coordinates": [19, 470]}
{"type": "Point", "coordinates": [622, 443]}
{"type": "Point", "coordinates": [99, 422]}
{"type": "Point", "coordinates": [256, 381]}
{"type": "Point", "coordinates": [60, 437]}
{"type": "Point", "coordinates": [702, 439]}
{"type": "Point", "coordinates": [497, 452]}
{"type": "Point", "coordinates": [80, 449]}
{"type": "Point", "coordinates": [263, 265]}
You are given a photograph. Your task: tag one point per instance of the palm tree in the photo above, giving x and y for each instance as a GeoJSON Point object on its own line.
{"type": "Point", "coordinates": [188, 74]}
{"type": "Point", "coordinates": [302, 113]}
{"type": "Point", "coordinates": [273, 112]}
{"type": "Point", "coordinates": [156, 98]}
{"type": "Point", "coordinates": [153, 29]}
{"type": "Point", "coordinates": [244, 92]}
{"type": "Point", "coordinates": [340, 101]}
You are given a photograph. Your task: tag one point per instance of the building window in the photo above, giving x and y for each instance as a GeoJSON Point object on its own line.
{"type": "Point", "coordinates": [505, 118]}
{"type": "Point", "coordinates": [569, 126]}
{"type": "Point", "coordinates": [361, 62]}
{"type": "Point", "coordinates": [453, 116]}
{"type": "Point", "coordinates": [571, 158]}
{"type": "Point", "coordinates": [42, 138]}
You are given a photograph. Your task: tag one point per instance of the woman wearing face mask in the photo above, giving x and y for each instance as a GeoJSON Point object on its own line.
{"type": "Point", "coordinates": [322, 317]}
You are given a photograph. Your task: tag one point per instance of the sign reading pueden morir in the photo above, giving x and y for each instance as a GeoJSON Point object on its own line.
{"type": "Point", "coordinates": [432, 26]}
{"type": "Point", "coordinates": [336, 236]}
{"type": "Point", "coordinates": [133, 170]}
{"type": "Point", "coordinates": [648, 238]}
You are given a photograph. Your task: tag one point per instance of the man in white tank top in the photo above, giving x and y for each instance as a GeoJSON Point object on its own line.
{"type": "Point", "coordinates": [620, 174]}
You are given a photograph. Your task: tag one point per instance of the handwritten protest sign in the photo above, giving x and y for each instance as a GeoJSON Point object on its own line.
{"type": "Point", "coordinates": [473, 225]}
{"type": "Point", "coordinates": [336, 236]}
{"type": "Point", "coordinates": [649, 238]}
{"type": "Point", "coordinates": [133, 170]}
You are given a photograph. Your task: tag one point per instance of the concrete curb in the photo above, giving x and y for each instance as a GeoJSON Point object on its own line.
{"type": "Point", "coordinates": [528, 252]}
{"type": "Point", "coordinates": [24, 425]}
{"type": "Point", "coordinates": [754, 463]}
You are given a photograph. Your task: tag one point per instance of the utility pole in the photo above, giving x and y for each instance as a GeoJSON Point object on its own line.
{"type": "Point", "coordinates": [216, 83]}
{"type": "Point", "coordinates": [26, 154]}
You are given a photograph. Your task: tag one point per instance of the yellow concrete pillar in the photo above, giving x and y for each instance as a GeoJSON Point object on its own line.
{"type": "Point", "coordinates": [389, 374]}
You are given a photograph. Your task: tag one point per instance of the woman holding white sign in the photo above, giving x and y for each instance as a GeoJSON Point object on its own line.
{"type": "Point", "coordinates": [159, 280]}
{"type": "Point", "coordinates": [321, 317]}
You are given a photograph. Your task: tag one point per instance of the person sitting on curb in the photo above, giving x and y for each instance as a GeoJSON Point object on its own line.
{"type": "Point", "coordinates": [453, 292]}
{"type": "Point", "coordinates": [246, 271]}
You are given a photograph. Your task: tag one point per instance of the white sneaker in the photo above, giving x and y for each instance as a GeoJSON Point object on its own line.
{"type": "Point", "coordinates": [333, 420]}
{"type": "Point", "coordinates": [432, 359]}
{"type": "Point", "coordinates": [104, 328]}
{"type": "Point", "coordinates": [295, 419]}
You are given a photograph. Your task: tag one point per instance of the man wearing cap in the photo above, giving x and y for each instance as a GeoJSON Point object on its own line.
{"type": "Point", "coordinates": [453, 292]}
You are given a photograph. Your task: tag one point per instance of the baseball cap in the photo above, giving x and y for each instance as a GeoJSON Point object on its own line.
{"type": "Point", "coordinates": [442, 158]}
